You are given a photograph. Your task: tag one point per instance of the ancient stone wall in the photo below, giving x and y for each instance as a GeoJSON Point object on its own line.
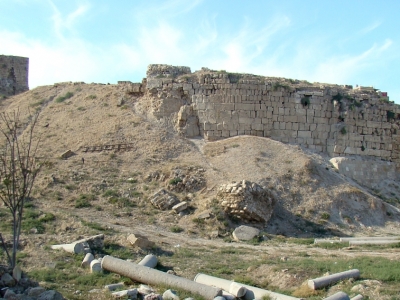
{"type": "Point", "coordinates": [13, 75]}
{"type": "Point", "coordinates": [337, 120]}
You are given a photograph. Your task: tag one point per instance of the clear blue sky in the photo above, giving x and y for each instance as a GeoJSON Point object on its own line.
{"type": "Point", "coordinates": [342, 42]}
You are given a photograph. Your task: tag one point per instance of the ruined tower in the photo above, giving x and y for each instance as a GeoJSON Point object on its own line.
{"type": "Point", "coordinates": [13, 75]}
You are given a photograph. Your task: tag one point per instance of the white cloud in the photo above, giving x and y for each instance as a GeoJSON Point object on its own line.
{"type": "Point", "coordinates": [341, 69]}
{"type": "Point", "coordinates": [370, 27]}
{"type": "Point", "coordinates": [62, 23]}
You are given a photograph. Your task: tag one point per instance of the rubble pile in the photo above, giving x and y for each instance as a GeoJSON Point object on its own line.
{"type": "Point", "coordinates": [246, 200]}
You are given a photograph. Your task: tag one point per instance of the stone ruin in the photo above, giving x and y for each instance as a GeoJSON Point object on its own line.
{"type": "Point", "coordinates": [336, 119]}
{"type": "Point", "coordinates": [247, 201]}
{"type": "Point", "coordinates": [13, 75]}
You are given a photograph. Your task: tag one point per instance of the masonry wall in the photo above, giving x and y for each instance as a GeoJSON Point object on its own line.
{"type": "Point", "coordinates": [337, 120]}
{"type": "Point", "coordinates": [13, 75]}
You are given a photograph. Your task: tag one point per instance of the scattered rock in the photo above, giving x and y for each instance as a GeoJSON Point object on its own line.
{"type": "Point", "coordinates": [50, 295]}
{"type": "Point", "coordinates": [67, 154]}
{"type": "Point", "coordinates": [17, 273]}
{"type": "Point", "coordinates": [36, 291]}
{"type": "Point", "coordinates": [152, 296]}
{"type": "Point", "coordinates": [8, 280]}
{"type": "Point", "coordinates": [137, 240]}
{"type": "Point", "coordinates": [145, 289]}
{"type": "Point", "coordinates": [180, 207]}
{"type": "Point", "coordinates": [132, 294]}
{"type": "Point", "coordinates": [170, 294]}
{"type": "Point", "coordinates": [205, 214]}
{"type": "Point", "coordinates": [245, 233]}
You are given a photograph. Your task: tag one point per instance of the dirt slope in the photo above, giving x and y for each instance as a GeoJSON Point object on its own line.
{"type": "Point", "coordinates": [312, 197]}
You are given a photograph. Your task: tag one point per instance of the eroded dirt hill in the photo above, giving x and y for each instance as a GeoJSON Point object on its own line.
{"type": "Point", "coordinates": [113, 139]}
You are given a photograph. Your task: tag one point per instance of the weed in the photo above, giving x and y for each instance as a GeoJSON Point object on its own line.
{"type": "Point", "coordinates": [338, 97]}
{"type": "Point", "coordinates": [121, 202]}
{"type": "Point", "coordinates": [81, 203]}
{"type": "Point", "coordinates": [96, 226]}
{"type": "Point", "coordinates": [325, 216]}
{"type": "Point", "coordinates": [277, 86]}
{"type": "Point", "coordinates": [81, 108]}
{"type": "Point", "coordinates": [111, 193]}
{"type": "Point", "coordinates": [65, 97]}
{"type": "Point", "coordinates": [175, 181]}
{"type": "Point", "coordinates": [176, 229]}
{"type": "Point", "coordinates": [38, 103]}
{"type": "Point", "coordinates": [343, 130]}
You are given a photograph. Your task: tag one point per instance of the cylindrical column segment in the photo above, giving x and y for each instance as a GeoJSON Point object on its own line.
{"type": "Point", "coordinates": [150, 276]}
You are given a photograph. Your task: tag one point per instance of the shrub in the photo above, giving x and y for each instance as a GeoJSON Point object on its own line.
{"type": "Point", "coordinates": [325, 216]}
{"type": "Point", "coordinates": [111, 193]}
{"type": "Point", "coordinates": [176, 229]}
{"type": "Point", "coordinates": [65, 97]}
{"type": "Point", "coordinates": [81, 203]}
{"type": "Point", "coordinates": [175, 181]}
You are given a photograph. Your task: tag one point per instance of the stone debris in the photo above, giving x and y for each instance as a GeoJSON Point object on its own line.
{"type": "Point", "coordinates": [114, 286]}
{"type": "Point", "coordinates": [246, 200]}
{"type": "Point", "coordinates": [140, 241]}
{"type": "Point", "coordinates": [131, 293]}
{"type": "Point", "coordinates": [67, 154]}
{"type": "Point", "coordinates": [153, 296]}
{"type": "Point", "coordinates": [245, 233]}
{"type": "Point", "coordinates": [170, 295]}
{"type": "Point", "coordinates": [180, 207]}
{"type": "Point", "coordinates": [164, 200]}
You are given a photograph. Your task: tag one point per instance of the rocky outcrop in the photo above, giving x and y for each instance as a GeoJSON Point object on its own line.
{"type": "Point", "coordinates": [246, 200]}
{"type": "Point", "coordinates": [23, 288]}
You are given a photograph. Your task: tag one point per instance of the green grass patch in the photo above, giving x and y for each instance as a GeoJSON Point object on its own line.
{"type": "Point", "coordinates": [121, 202]}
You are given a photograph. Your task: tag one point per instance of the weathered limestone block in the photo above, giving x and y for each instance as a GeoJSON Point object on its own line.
{"type": "Point", "coordinates": [140, 241]}
{"type": "Point", "coordinates": [246, 200]}
{"type": "Point", "coordinates": [245, 233]}
{"type": "Point", "coordinates": [163, 200]}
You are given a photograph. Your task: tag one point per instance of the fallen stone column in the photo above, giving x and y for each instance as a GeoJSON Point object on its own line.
{"type": "Point", "coordinates": [338, 296]}
{"type": "Point", "coordinates": [150, 276]}
{"type": "Point", "coordinates": [319, 241]}
{"type": "Point", "coordinates": [321, 282]}
{"type": "Point", "coordinates": [95, 266]}
{"type": "Point", "coordinates": [76, 248]}
{"type": "Point", "coordinates": [372, 238]}
{"type": "Point", "coordinates": [257, 293]}
{"type": "Point", "coordinates": [149, 260]}
{"type": "Point", "coordinates": [231, 287]}
{"type": "Point", "coordinates": [358, 297]}
{"type": "Point", "coordinates": [251, 293]}
{"type": "Point", "coordinates": [87, 260]}
{"type": "Point", "coordinates": [373, 242]}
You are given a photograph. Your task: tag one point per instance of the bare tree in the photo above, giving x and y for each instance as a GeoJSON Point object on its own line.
{"type": "Point", "coordinates": [19, 167]}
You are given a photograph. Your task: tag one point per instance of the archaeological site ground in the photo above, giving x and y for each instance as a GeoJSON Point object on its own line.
{"type": "Point", "coordinates": [183, 159]}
